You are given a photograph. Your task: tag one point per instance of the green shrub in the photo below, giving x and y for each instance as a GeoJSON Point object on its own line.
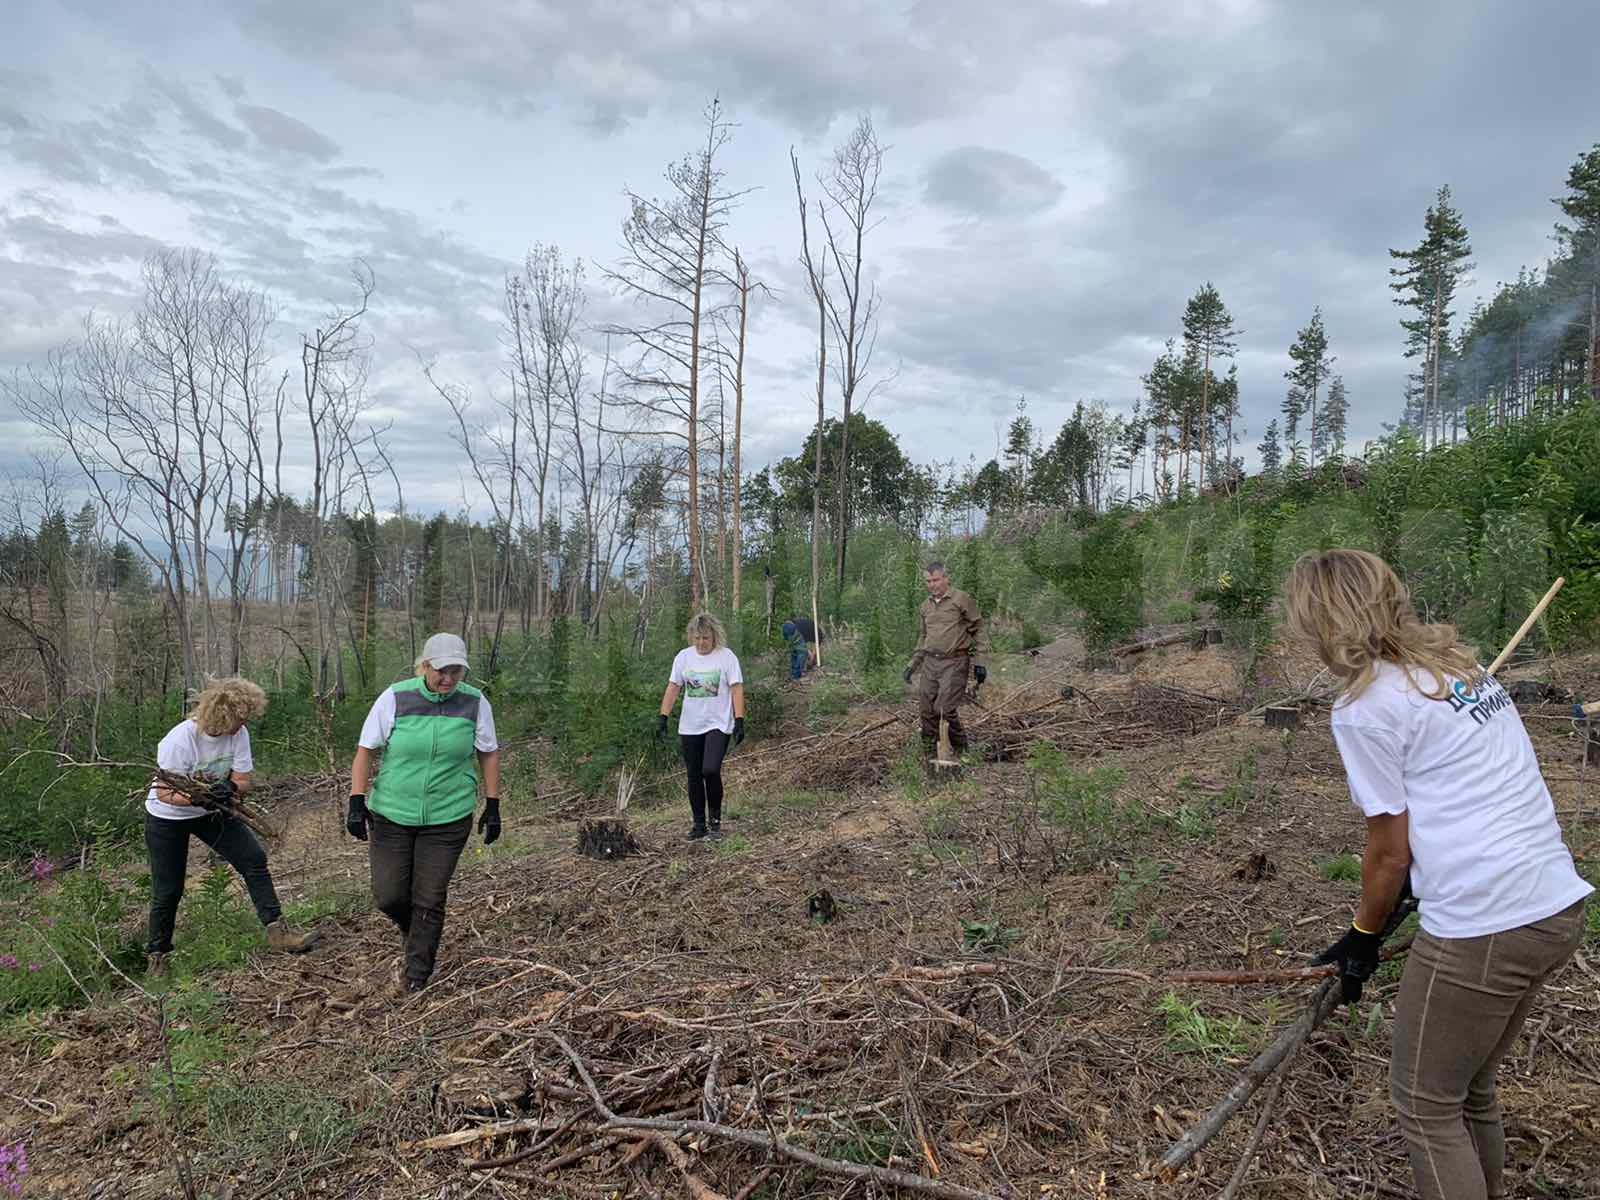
{"type": "Point", "coordinates": [1346, 868]}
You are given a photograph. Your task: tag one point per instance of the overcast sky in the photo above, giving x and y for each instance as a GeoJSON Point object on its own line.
{"type": "Point", "coordinates": [1060, 176]}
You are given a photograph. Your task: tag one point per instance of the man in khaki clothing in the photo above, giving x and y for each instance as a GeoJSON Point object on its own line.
{"type": "Point", "coordinates": [950, 624]}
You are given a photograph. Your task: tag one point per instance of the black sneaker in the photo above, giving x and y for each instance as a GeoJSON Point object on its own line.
{"type": "Point", "coordinates": [698, 833]}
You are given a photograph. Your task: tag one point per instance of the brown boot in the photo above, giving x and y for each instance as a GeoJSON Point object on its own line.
{"type": "Point", "coordinates": [291, 941]}
{"type": "Point", "coordinates": [156, 965]}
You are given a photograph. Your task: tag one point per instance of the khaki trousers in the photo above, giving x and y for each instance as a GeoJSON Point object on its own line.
{"type": "Point", "coordinates": [944, 682]}
{"type": "Point", "coordinates": [1463, 1001]}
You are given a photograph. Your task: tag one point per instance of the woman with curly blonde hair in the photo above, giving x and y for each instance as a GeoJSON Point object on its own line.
{"type": "Point", "coordinates": [1442, 768]}
{"type": "Point", "coordinates": [212, 744]}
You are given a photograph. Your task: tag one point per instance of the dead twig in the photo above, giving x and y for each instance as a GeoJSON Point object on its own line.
{"type": "Point", "coordinates": [761, 1141]}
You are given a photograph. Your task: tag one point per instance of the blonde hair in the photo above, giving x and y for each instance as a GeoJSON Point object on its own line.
{"type": "Point", "coordinates": [227, 704]}
{"type": "Point", "coordinates": [1357, 613]}
{"type": "Point", "coordinates": [704, 622]}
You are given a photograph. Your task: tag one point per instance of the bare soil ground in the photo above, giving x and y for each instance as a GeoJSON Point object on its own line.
{"type": "Point", "coordinates": [985, 1010]}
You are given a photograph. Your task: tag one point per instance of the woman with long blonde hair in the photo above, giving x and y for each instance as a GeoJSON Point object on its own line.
{"type": "Point", "coordinates": [1443, 770]}
{"type": "Point", "coordinates": [708, 674]}
{"type": "Point", "coordinates": [211, 744]}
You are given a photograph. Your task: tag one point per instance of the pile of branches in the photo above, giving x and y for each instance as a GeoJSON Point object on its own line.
{"type": "Point", "coordinates": [1180, 710]}
{"type": "Point", "coordinates": [720, 1085]}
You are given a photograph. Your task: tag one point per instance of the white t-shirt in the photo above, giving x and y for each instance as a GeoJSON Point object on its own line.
{"type": "Point", "coordinates": [707, 681]}
{"type": "Point", "coordinates": [1486, 852]}
{"type": "Point", "coordinates": [379, 725]}
{"type": "Point", "coordinates": [187, 751]}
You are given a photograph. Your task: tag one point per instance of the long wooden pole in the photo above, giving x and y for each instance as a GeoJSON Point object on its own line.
{"type": "Point", "coordinates": [1538, 611]}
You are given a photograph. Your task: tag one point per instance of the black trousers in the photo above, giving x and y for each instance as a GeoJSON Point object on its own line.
{"type": "Point", "coordinates": [411, 870]}
{"type": "Point", "coordinates": [702, 755]}
{"type": "Point", "coordinates": [168, 843]}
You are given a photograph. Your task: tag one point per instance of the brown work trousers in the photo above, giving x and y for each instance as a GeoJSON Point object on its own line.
{"type": "Point", "coordinates": [1463, 1001]}
{"type": "Point", "coordinates": [944, 682]}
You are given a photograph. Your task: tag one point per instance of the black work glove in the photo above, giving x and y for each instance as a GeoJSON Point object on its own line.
{"type": "Point", "coordinates": [738, 730]}
{"type": "Point", "coordinates": [980, 673]}
{"type": "Point", "coordinates": [355, 820]}
{"type": "Point", "coordinates": [222, 792]}
{"type": "Point", "coordinates": [910, 671]}
{"type": "Point", "coordinates": [1356, 956]}
{"type": "Point", "coordinates": [661, 727]}
{"type": "Point", "coordinates": [489, 823]}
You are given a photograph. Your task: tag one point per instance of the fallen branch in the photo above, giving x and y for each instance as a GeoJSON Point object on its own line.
{"type": "Point", "coordinates": [761, 1141]}
{"type": "Point", "coordinates": [1166, 639]}
{"type": "Point", "coordinates": [1271, 1060]}
{"type": "Point", "coordinates": [698, 1189]}
{"type": "Point", "coordinates": [1268, 1103]}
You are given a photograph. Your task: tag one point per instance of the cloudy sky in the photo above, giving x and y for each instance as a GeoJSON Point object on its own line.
{"type": "Point", "coordinates": [1061, 175]}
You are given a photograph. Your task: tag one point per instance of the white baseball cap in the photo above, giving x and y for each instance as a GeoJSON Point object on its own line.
{"type": "Point", "coordinates": [445, 650]}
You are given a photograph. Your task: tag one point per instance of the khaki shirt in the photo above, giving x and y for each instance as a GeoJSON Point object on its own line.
{"type": "Point", "coordinates": [950, 626]}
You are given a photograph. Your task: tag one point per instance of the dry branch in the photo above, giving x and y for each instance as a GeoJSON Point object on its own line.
{"type": "Point", "coordinates": [770, 1143]}
{"type": "Point", "coordinates": [1271, 1060]}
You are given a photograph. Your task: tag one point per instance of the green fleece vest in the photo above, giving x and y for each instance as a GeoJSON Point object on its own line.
{"type": "Point", "coordinates": [430, 766]}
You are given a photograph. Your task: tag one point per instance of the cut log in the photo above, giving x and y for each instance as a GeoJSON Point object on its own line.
{"type": "Point", "coordinates": [1283, 716]}
{"type": "Point", "coordinates": [1166, 639]}
{"type": "Point", "coordinates": [606, 839]}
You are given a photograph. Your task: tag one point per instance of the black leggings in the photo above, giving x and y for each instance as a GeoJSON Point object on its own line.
{"type": "Point", "coordinates": [168, 843]}
{"type": "Point", "coordinates": [702, 754]}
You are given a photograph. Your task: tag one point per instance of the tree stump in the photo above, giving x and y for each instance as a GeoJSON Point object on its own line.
{"type": "Point", "coordinates": [820, 907]}
{"type": "Point", "coordinates": [1213, 636]}
{"type": "Point", "coordinates": [1283, 716]}
{"type": "Point", "coordinates": [607, 838]}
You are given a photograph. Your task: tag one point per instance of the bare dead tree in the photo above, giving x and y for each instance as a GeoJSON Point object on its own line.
{"type": "Point", "coordinates": [818, 279]}
{"type": "Point", "coordinates": [333, 363]}
{"type": "Point", "coordinates": [673, 270]}
{"type": "Point", "coordinates": [745, 288]}
{"type": "Point", "coordinates": [850, 189]}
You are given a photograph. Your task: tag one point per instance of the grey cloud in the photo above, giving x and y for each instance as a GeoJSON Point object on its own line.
{"type": "Point", "coordinates": [980, 181]}
{"type": "Point", "coordinates": [279, 131]}
{"type": "Point", "coordinates": [616, 62]}
{"type": "Point", "coordinates": [197, 118]}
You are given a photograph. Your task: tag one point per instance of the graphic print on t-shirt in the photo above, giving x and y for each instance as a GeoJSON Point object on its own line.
{"type": "Point", "coordinates": [1481, 703]}
{"type": "Point", "coordinates": [702, 685]}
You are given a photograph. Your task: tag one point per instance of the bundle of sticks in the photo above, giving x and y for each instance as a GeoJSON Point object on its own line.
{"type": "Point", "coordinates": [201, 794]}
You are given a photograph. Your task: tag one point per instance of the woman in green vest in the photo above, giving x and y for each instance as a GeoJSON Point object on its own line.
{"type": "Point", "coordinates": [437, 736]}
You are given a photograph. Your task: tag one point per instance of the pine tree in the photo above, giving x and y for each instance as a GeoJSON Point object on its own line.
{"type": "Point", "coordinates": [1578, 274]}
{"type": "Point", "coordinates": [1426, 283]}
{"type": "Point", "coordinates": [1309, 373]}
{"type": "Point", "coordinates": [1271, 451]}
{"type": "Point", "coordinates": [1224, 408]}
{"type": "Point", "coordinates": [1208, 333]}
{"type": "Point", "coordinates": [1335, 413]}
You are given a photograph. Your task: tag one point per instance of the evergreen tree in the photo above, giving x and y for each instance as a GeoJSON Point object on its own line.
{"type": "Point", "coordinates": [1578, 273]}
{"type": "Point", "coordinates": [1426, 283]}
{"type": "Point", "coordinates": [1308, 375]}
{"type": "Point", "coordinates": [431, 604]}
{"type": "Point", "coordinates": [1224, 408]}
{"type": "Point", "coordinates": [1335, 413]}
{"type": "Point", "coordinates": [1271, 451]}
{"type": "Point", "coordinates": [1208, 333]}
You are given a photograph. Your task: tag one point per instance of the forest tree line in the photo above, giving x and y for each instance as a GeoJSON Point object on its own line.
{"type": "Point", "coordinates": [170, 533]}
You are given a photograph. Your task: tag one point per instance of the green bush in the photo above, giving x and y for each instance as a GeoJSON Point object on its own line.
{"type": "Point", "coordinates": [71, 945]}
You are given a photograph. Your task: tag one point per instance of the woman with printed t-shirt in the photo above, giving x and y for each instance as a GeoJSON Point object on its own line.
{"type": "Point", "coordinates": [1442, 768]}
{"type": "Point", "coordinates": [211, 743]}
{"type": "Point", "coordinates": [436, 734]}
{"type": "Point", "coordinates": [708, 675]}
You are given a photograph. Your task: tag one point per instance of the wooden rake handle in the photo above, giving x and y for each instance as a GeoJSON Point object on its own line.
{"type": "Point", "coordinates": [1516, 638]}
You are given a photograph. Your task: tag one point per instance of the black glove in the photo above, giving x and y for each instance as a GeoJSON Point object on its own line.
{"type": "Point", "coordinates": [980, 673]}
{"type": "Point", "coordinates": [738, 730]}
{"type": "Point", "coordinates": [1356, 956]}
{"type": "Point", "coordinates": [910, 671]}
{"type": "Point", "coordinates": [355, 820]}
{"type": "Point", "coordinates": [222, 792]}
{"type": "Point", "coordinates": [489, 823]}
{"type": "Point", "coordinates": [661, 727]}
